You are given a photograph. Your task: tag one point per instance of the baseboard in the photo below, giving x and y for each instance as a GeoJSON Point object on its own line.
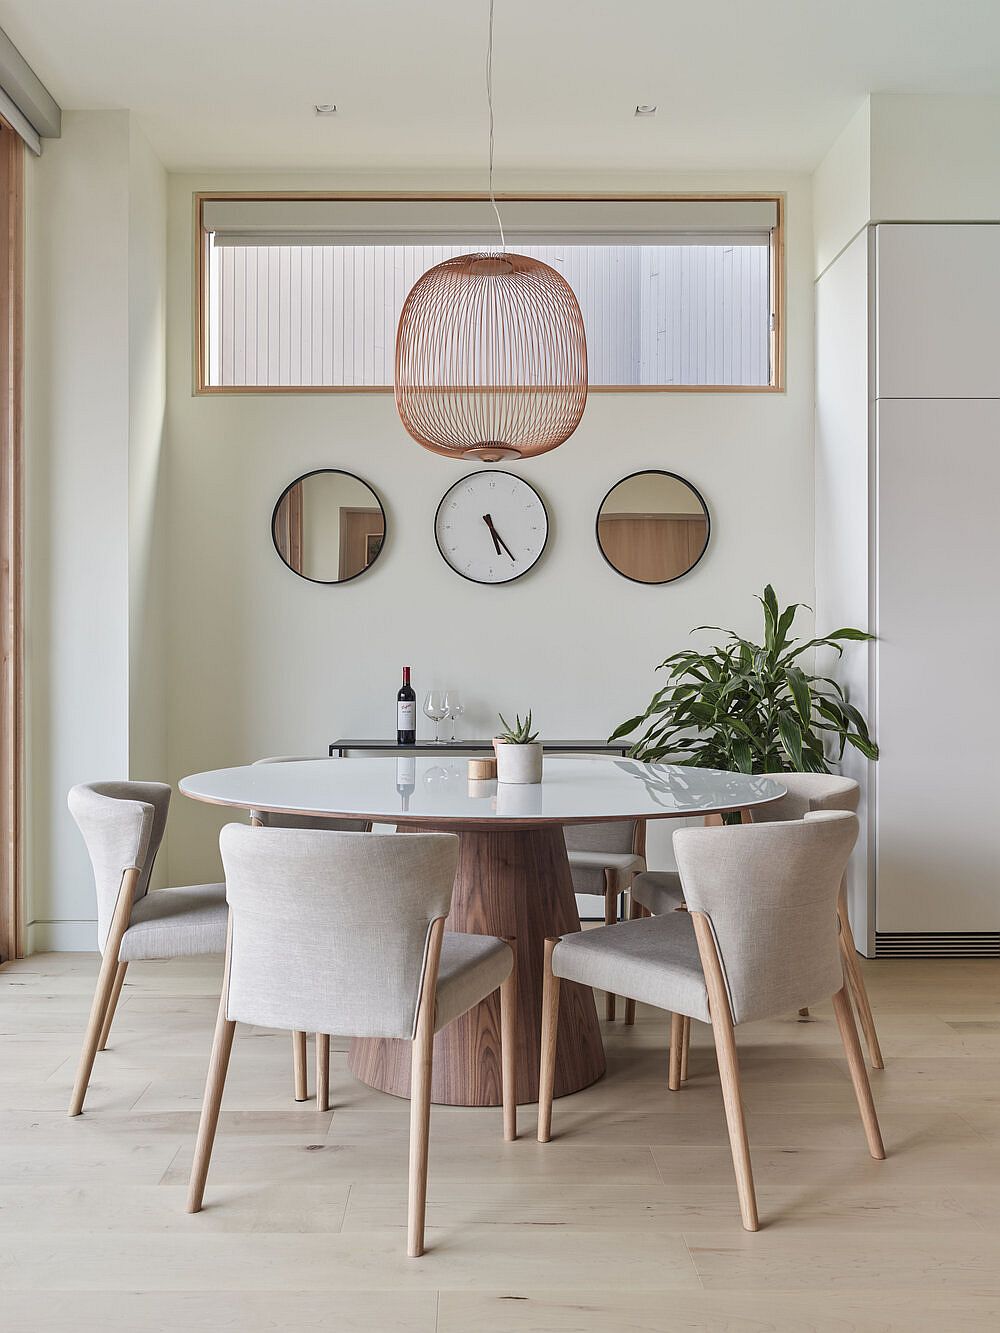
{"type": "Point", "coordinates": [937, 944]}
{"type": "Point", "coordinates": [61, 937]}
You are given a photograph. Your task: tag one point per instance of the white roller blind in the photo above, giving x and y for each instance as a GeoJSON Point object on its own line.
{"type": "Point", "coordinates": [283, 221]}
{"type": "Point", "coordinates": [326, 314]}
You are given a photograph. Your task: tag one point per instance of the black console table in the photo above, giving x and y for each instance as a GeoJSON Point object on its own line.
{"type": "Point", "coordinates": [342, 748]}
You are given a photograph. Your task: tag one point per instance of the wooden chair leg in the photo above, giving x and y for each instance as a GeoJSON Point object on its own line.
{"type": "Point", "coordinates": [105, 986]}
{"type": "Point", "coordinates": [729, 1068]}
{"type": "Point", "coordinates": [610, 917]}
{"type": "Point", "coordinates": [116, 990]}
{"type": "Point", "coordinates": [856, 982]}
{"type": "Point", "coordinates": [300, 1077]}
{"type": "Point", "coordinates": [422, 1055]}
{"type": "Point", "coordinates": [685, 1046]}
{"type": "Point", "coordinates": [218, 1066]}
{"type": "Point", "coordinates": [859, 1075]}
{"type": "Point", "coordinates": [676, 1043]}
{"type": "Point", "coordinates": [635, 911]}
{"type": "Point", "coordinates": [421, 1070]}
{"type": "Point", "coordinates": [322, 1071]}
{"type": "Point", "coordinates": [508, 1050]}
{"type": "Point", "coordinates": [550, 1034]}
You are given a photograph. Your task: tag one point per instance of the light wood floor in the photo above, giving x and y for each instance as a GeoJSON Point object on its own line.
{"type": "Point", "coordinates": [626, 1222]}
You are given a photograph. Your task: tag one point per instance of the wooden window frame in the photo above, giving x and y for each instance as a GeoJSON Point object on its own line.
{"type": "Point", "coordinates": [11, 543]}
{"type": "Point", "coordinates": [201, 248]}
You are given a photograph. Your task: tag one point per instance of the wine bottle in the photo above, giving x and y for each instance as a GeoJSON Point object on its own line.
{"type": "Point", "coordinates": [406, 712]}
{"type": "Point", "coordinates": [406, 779]}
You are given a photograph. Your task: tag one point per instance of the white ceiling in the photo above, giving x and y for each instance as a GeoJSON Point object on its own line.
{"type": "Point", "coordinates": [739, 83]}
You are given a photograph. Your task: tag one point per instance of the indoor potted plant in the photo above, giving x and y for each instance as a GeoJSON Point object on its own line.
{"type": "Point", "coordinates": [751, 707]}
{"type": "Point", "coordinates": [519, 752]}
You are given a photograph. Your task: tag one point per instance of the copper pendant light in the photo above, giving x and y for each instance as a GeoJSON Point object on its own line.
{"type": "Point", "coordinates": [491, 352]}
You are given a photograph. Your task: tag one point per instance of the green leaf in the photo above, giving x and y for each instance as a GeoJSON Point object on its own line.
{"type": "Point", "coordinates": [859, 635]}
{"type": "Point", "coordinates": [799, 687]}
{"type": "Point", "coordinates": [743, 757]}
{"type": "Point", "coordinates": [626, 727]}
{"type": "Point", "coordinates": [785, 624]}
{"type": "Point", "coordinates": [791, 737]}
{"type": "Point", "coordinates": [868, 748]}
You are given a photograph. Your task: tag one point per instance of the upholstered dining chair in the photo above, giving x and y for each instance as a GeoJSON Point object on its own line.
{"type": "Point", "coordinates": [759, 938]}
{"type": "Point", "coordinates": [344, 933]}
{"type": "Point", "coordinates": [660, 891]}
{"type": "Point", "coordinates": [122, 825]}
{"type": "Point", "coordinates": [603, 859]}
{"type": "Point", "coordinates": [273, 819]}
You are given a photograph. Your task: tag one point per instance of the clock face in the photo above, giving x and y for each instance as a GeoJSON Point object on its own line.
{"type": "Point", "coordinates": [491, 527]}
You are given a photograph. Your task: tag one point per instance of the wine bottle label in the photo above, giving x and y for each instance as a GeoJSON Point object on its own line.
{"type": "Point", "coordinates": [406, 715]}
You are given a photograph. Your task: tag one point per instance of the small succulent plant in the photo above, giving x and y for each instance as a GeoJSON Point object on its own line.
{"type": "Point", "coordinates": [520, 733]}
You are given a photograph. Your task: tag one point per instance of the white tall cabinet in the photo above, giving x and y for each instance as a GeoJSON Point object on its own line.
{"type": "Point", "coordinates": [908, 543]}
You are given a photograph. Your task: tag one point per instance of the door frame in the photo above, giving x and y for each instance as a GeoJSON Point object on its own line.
{"type": "Point", "coordinates": [11, 543]}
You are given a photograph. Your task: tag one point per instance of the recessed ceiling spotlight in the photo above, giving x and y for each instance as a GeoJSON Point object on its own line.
{"type": "Point", "coordinates": [644, 109]}
{"type": "Point", "coordinates": [330, 109]}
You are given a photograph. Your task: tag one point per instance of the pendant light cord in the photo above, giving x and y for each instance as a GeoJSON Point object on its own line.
{"type": "Point", "coordinates": [489, 100]}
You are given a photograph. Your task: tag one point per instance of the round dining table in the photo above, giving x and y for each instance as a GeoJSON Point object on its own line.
{"type": "Point", "coordinates": [513, 880]}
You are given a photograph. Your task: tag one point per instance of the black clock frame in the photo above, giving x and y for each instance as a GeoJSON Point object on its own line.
{"type": "Point", "coordinates": [491, 472]}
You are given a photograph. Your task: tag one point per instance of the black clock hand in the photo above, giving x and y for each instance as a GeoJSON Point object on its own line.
{"type": "Point", "coordinates": [498, 538]}
{"type": "Point", "coordinates": [489, 523]}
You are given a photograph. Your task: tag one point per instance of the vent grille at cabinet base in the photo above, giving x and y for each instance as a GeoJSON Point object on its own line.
{"type": "Point", "coordinates": [937, 944]}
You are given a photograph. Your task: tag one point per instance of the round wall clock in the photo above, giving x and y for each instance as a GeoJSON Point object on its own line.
{"type": "Point", "coordinates": [491, 527]}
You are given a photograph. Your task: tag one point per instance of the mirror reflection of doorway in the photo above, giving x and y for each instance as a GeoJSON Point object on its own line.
{"type": "Point", "coordinates": [361, 533]}
{"type": "Point", "coordinates": [653, 548]}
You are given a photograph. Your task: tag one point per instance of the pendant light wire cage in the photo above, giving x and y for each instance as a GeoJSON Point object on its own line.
{"type": "Point", "coordinates": [491, 351]}
{"type": "Point", "coordinates": [491, 358]}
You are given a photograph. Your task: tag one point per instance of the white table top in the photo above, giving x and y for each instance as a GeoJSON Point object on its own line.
{"type": "Point", "coordinates": [572, 791]}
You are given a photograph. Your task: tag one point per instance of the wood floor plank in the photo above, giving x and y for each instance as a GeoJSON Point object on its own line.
{"type": "Point", "coordinates": [357, 1261]}
{"type": "Point", "coordinates": [787, 1260]}
{"type": "Point", "coordinates": [589, 1311]}
{"type": "Point", "coordinates": [211, 1311]}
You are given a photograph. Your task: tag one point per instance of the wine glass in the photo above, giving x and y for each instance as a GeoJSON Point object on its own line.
{"type": "Point", "coordinates": [434, 708]}
{"type": "Point", "coordinates": [455, 707]}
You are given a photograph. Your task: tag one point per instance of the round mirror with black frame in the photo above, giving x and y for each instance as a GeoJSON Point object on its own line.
{"type": "Point", "coordinates": [328, 526]}
{"type": "Point", "coordinates": [653, 526]}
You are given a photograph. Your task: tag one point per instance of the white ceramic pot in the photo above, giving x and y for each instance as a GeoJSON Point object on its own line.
{"type": "Point", "coordinates": [515, 800]}
{"type": "Point", "coordinates": [519, 763]}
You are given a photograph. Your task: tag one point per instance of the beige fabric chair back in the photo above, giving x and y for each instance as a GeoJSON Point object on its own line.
{"type": "Point", "coordinates": [805, 792]}
{"type": "Point", "coordinates": [770, 892]}
{"type": "Point", "coordinates": [271, 819]}
{"type": "Point", "coordinates": [616, 836]}
{"type": "Point", "coordinates": [330, 930]}
{"type": "Point", "coordinates": [122, 824]}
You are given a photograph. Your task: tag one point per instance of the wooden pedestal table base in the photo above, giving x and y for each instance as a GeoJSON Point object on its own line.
{"type": "Point", "coordinates": [510, 882]}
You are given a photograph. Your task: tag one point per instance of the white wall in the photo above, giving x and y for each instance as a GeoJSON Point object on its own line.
{"type": "Point", "coordinates": [94, 379]}
{"type": "Point", "coordinates": [262, 663]}
{"type": "Point", "coordinates": [842, 189]}
{"type": "Point", "coordinates": [148, 556]}
{"type": "Point", "coordinates": [76, 433]}
{"type": "Point", "coordinates": [908, 158]}
{"type": "Point", "coordinates": [935, 159]}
